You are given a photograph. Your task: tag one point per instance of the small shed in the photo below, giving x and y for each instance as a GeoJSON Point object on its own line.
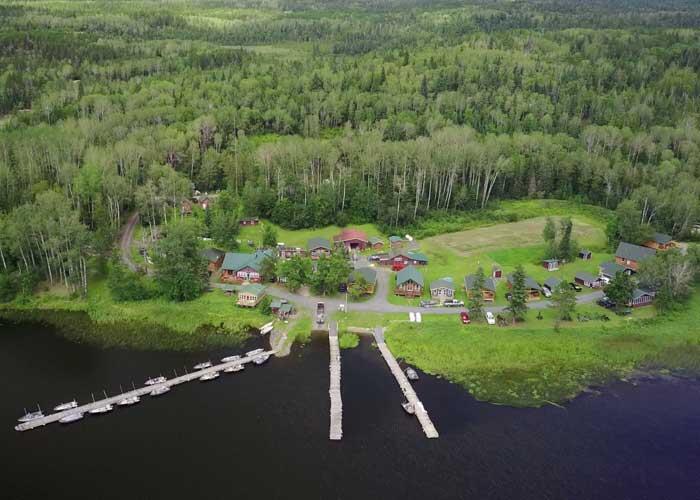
{"type": "Point", "coordinates": [442, 289]}
{"type": "Point", "coordinates": [587, 279]}
{"type": "Point", "coordinates": [396, 241]}
{"type": "Point", "coordinates": [376, 243]}
{"type": "Point", "coordinates": [496, 272]}
{"type": "Point", "coordinates": [585, 254]}
{"type": "Point", "coordinates": [551, 264]}
{"type": "Point", "coordinates": [249, 221]}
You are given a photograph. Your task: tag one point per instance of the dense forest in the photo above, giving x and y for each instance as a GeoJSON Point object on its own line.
{"type": "Point", "coordinates": [310, 113]}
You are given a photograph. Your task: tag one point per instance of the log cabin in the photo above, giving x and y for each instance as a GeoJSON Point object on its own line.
{"type": "Point", "coordinates": [488, 291]}
{"type": "Point", "coordinates": [214, 258]}
{"type": "Point", "coordinates": [370, 277]}
{"type": "Point", "coordinates": [532, 288]}
{"type": "Point", "coordinates": [661, 242]}
{"type": "Point", "coordinates": [409, 282]}
{"type": "Point", "coordinates": [318, 247]}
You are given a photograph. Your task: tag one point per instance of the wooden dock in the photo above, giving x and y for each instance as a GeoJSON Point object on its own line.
{"type": "Point", "coordinates": [406, 387]}
{"type": "Point", "coordinates": [141, 391]}
{"type": "Point", "coordinates": [336, 425]}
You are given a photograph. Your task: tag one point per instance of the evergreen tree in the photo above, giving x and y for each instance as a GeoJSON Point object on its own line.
{"type": "Point", "coordinates": [563, 301]}
{"type": "Point", "coordinates": [476, 299]}
{"type": "Point", "coordinates": [424, 87]}
{"type": "Point", "coordinates": [566, 250]}
{"type": "Point", "coordinates": [517, 304]}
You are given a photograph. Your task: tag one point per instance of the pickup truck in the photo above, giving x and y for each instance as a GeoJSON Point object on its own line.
{"type": "Point", "coordinates": [453, 303]}
{"type": "Point", "coordinates": [320, 313]}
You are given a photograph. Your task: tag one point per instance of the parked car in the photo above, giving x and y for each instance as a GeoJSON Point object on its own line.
{"type": "Point", "coordinates": [490, 318]}
{"type": "Point", "coordinates": [509, 296]}
{"type": "Point", "coordinates": [464, 316]}
{"type": "Point", "coordinates": [575, 286]}
{"type": "Point", "coordinates": [546, 292]}
{"type": "Point", "coordinates": [397, 266]}
{"type": "Point", "coordinates": [374, 258]}
{"type": "Point", "coordinates": [428, 303]}
{"type": "Point", "coordinates": [606, 303]}
{"type": "Point", "coordinates": [453, 303]}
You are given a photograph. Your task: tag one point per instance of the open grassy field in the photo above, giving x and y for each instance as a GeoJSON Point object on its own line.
{"type": "Point", "coordinates": [534, 364]}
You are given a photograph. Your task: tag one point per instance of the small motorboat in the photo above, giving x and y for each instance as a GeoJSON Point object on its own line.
{"type": "Point", "coordinates": [234, 368]}
{"type": "Point", "coordinates": [73, 417]}
{"type": "Point", "coordinates": [261, 359]}
{"type": "Point", "coordinates": [408, 407]}
{"type": "Point", "coordinates": [132, 400]}
{"type": "Point", "coordinates": [101, 409]}
{"type": "Point", "coordinates": [228, 359]}
{"type": "Point", "coordinates": [66, 406]}
{"type": "Point", "coordinates": [254, 352]}
{"type": "Point", "coordinates": [160, 390]}
{"type": "Point", "coordinates": [156, 380]}
{"type": "Point", "coordinates": [202, 366]}
{"type": "Point", "coordinates": [209, 376]}
{"type": "Point", "coordinates": [30, 415]}
{"type": "Point", "coordinates": [411, 374]}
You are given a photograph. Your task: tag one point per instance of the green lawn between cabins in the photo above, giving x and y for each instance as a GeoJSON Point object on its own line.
{"type": "Point", "coordinates": [533, 364]}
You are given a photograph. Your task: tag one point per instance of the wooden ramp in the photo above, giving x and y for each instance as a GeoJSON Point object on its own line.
{"type": "Point", "coordinates": [336, 424]}
{"type": "Point", "coordinates": [141, 391]}
{"type": "Point", "coordinates": [406, 387]}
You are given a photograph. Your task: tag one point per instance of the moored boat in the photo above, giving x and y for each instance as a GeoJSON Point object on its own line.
{"type": "Point", "coordinates": [408, 407]}
{"type": "Point", "coordinates": [209, 376]}
{"type": "Point", "coordinates": [411, 374]}
{"type": "Point", "coordinates": [160, 390]}
{"type": "Point", "coordinates": [254, 352]}
{"type": "Point", "coordinates": [73, 417]}
{"type": "Point", "coordinates": [234, 368]}
{"type": "Point", "coordinates": [228, 359]}
{"type": "Point", "coordinates": [128, 401]}
{"type": "Point", "coordinates": [66, 406]}
{"type": "Point", "coordinates": [30, 415]}
{"type": "Point", "coordinates": [261, 359]}
{"type": "Point", "coordinates": [155, 380]}
{"type": "Point", "coordinates": [101, 409]}
{"type": "Point", "coordinates": [202, 366]}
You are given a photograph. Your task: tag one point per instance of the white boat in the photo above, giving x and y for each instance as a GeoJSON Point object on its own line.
{"type": "Point", "coordinates": [128, 401]}
{"type": "Point", "coordinates": [209, 376]}
{"type": "Point", "coordinates": [265, 330]}
{"type": "Point", "coordinates": [254, 352]}
{"type": "Point", "coordinates": [156, 380]}
{"type": "Point", "coordinates": [202, 366]}
{"type": "Point", "coordinates": [261, 359]}
{"type": "Point", "coordinates": [411, 374]}
{"type": "Point", "coordinates": [160, 390]}
{"type": "Point", "coordinates": [31, 415]}
{"type": "Point", "coordinates": [228, 359]}
{"type": "Point", "coordinates": [101, 409]}
{"type": "Point", "coordinates": [73, 417]}
{"type": "Point", "coordinates": [234, 368]}
{"type": "Point", "coordinates": [408, 408]}
{"type": "Point", "coordinates": [66, 406]}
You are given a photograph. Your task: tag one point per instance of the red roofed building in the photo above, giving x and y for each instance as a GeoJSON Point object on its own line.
{"type": "Point", "coordinates": [352, 239]}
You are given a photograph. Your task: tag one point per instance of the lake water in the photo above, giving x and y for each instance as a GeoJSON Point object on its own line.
{"type": "Point", "coordinates": [263, 433]}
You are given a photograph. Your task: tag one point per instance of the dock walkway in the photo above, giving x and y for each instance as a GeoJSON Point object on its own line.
{"type": "Point", "coordinates": [336, 425]}
{"type": "Point", "coordinates": [141, 391]}
{"type": "Point", "coordinates": [406, 387]}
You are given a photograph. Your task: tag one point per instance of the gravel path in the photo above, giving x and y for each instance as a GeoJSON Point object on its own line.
{"type": "Point", "coordinates": [126, 239]}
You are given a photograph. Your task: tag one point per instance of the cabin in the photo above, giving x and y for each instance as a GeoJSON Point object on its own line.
{"type": "Point", "coordinates": [551, 284]}
{"type": "Point", "coordinates": [496, 272]}
{"type": "Point", "coordinates": [285, 252]}
{"type": "Point", "coordinates": [376, 243]}
{"type": "Point", "coordinates": [532, 288]}
{"type": "Point", "coordinates": [641, 298]}
{"type": "Point", "coordinates": [584, 254]}
{"type": "Point", "coordinates": [351, 239]}
{"type": "Point", "coordinates": [551, 264]}
{"type": "Point", "coordinates": [608, 270]}
{"type": "Point", "coordinates": [214, 258]}
{"type": "Point", "coordinates": [661, 242]}
{"type": "Point", "coordinates": [400, 257]}
{"type": "Point", "coordinates": [282, 308]}
{"type": "Point", "coordinates": [631, 256]}
{"type": "Point", "coordinates": [587, 279]}
{"type": "Point", "coordinates": [409, 282]}
{"type": "Point", "coordinates": [318, 247]}
{"type": "Point", "coordinates": [442, 290]}
{"type": "Point", "coordinates": [249, 221]}
{"type": "Point", "coordinates": [488, 291]}
{"type": "Point", "coordinates": [368, 274]}
{"type": "Point", "coordinates": [250, 295]}
{"type": "Point", "coordinates": [396, 241]}
{"type": "Point", "coordinates": [243, 267]}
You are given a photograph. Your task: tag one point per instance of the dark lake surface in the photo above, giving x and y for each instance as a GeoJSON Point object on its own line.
{"type": "Point", "coordinates": [263, 433]}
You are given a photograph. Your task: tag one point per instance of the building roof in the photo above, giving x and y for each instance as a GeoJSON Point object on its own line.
{"type": "Point", "coordinates": [628, 251]}
{"type": "Point", "coordinates": [409, 273]}
{"type": "Point", "coordinates": [489, 284]}
{"type": "Point", "coordinates": [276, 304]}
{"type": "Point", "coordinates": [638, 292]}
{"type": "Point", "coordinates": [442, 283]}
{"type": "Point", "coordinates": [236, 261]}
{"type": "Point", "coordinates": [253, 289]}
{"type": "Point", "coordinates": [315, 243]}
{"type": "Point", "coordinates": [286, 308]}
{"type": "Point", "coordinates": [584, 276]}
{"type": "Point", "coordinates": [248, 219]}
{"type": "Point", "coordinates": [395, 239]}
{"type": "Point", "coordinates": [368, 273]}
{"type": "Point", "coordinates": [554, 261]}
{"type": "Point", "coordinates": [421, 257]}
{"type": "Point", "coordinates": [529, 282]}
{"type": "Point", "coordinates": [584, 251]}
{"type": "Point", "coordinates": [611, 268]}
{"type": "Point", "coordinates": [661, 238]}
{"type": "Point", "coordinates": [350, 234]}
{"type": "Point", "coordinates": [212, 254]}
{"type": "Point", "coordinates": [552, 282]}
{"type": "Point", "coordinates": [373, 240]}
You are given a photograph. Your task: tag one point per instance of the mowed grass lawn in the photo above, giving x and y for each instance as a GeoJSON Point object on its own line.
{"type": "Point", "coordinates": [533, 364]}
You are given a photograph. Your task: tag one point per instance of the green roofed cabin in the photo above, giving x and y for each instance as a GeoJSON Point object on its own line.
{"type": "Point", "coordinates": [376, 243]}
{"type": "Point", "coordinates": [243, 267]}
{"type": "Point", "coordinates": [318, 247]}
{"type": "Point", "coordinates": [409, 282]}
{"type": "Point", "coordinates": [251, 295]}
{"type": "Point", "coordinates": [488, 291]}
{"type": "Point", "coordinates": [532, 288]}
{"type": "Point", "coordinates": [368, 274]}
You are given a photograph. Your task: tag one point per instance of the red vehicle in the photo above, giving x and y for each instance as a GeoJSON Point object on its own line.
{"type": "Point", "coordinates": [464, 315]}
{"type": "Point", "coordinates": [397, 266]}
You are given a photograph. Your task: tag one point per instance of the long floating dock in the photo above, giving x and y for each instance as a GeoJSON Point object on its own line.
{"type": "Point", "coordinates": [141, 391]}
{"type": "Point", "coordinates": [336, 427]}
{"type": "Point", "coordinates": [411, 396]}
